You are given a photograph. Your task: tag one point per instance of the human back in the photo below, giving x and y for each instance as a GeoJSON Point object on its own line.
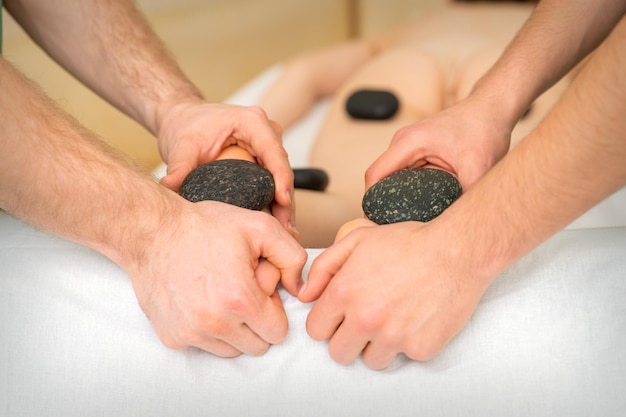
{"type": "Point", "coordinates": [429, 64]}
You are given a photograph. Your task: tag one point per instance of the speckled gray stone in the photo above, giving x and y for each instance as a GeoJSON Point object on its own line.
{"type": "Point", "coordinates": [233, 181]}
{"type": "Point", "coordinates": [419, 194]}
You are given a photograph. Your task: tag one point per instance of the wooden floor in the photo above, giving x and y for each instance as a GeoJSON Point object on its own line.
{"type": "Point", "coordinates": [220, 44]}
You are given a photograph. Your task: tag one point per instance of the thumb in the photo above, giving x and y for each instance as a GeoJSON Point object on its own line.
{"type": "Point", "coordinates": [179, 165]}
{"type": "Point", "coordinates": [387, 163]}
{"type": "Point", "coordinates": [324, 268]}
{"type": "Point", "coordinates": [285, 254]}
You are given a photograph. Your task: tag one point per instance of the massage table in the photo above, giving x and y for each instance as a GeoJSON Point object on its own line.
{"type": "Point", "coordinates": [547, 339]}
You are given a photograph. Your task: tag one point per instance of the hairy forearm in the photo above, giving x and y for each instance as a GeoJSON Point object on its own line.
{"type": "Point", "coordinates": [575, 158]}
{"type": "Point", "coordinates": [110, 47]}
{"type": "Point", "coordinates": [556, 37]}
{"type": "Point", "coordinates": [62, 179]}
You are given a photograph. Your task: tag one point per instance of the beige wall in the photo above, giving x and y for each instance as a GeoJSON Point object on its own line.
{"type": "Point", "coordinates": [376, 16]}
{"type": "Point", "coordinates": [220, 44]}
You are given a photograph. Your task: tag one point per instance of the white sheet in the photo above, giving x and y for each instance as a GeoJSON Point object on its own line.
{"type": "Point", "coordinates": [548, 339]}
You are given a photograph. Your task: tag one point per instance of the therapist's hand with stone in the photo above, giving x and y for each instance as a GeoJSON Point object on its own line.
{"type": "Point", "coordinates": [193, 131]}
{"type": "Point", "coordinates": [466, 140]}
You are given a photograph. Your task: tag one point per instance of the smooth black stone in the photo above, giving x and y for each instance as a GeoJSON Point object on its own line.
{"type": "Point", "coordinates": [310, 179]}
{"type": "Point", "coordinates": [372, 104]}
{"type": "Point", "coordinates": [233, 181]}
{"type": "Point", "coordinates": [416, 194]}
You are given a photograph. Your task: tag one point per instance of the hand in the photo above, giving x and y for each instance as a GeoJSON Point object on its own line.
{"type": "Point", "coordinates": [462, 139]}
{"type": "Point", "coordinates": [209, 279]}
{"type": "Point", "coordinates": [193, 133]}
{"type": "Point", "coordinates": [385, 290]}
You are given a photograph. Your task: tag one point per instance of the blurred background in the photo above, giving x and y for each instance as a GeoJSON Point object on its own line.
{"type": "Point", "coordinates": [220, 44]}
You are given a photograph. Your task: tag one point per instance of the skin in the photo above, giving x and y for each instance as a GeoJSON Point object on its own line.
{"type": "Point", "coordinates": [469, 137]}
{"type": "Point", "coordinates": [411, 287]}
{"type": "Point", "coordinates": [198, 287]}
{"type": "Point", "coordinates": [429, 64]}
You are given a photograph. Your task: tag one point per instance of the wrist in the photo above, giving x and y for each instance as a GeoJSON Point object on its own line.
{"type": "Point", "coordinates": [168, 106]}
{"type": "Point", "coordinates": [482, 238]}
{"type": "Point", "coordinates": [132, 226]}
{"type": "Point", "coordinates": [502, 111]}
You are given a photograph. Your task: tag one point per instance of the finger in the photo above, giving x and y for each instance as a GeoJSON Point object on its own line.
{"type": "Point", "coordinates": [262, 138]}
{"type": "Point", "coordinates": [376, 356]}
{"type": "Point", "coordinates": [284, 214]}
{"type": "Point", "coordinates": [395, 158]}
{"type": "Point", "coordinates": [217, 347]}
{"type": "Point", "coordinates": [387, 163]}
{"type": "Point", "coordinates": [276, 299]}
{"type": "Point", "coordinates": [285, 254]}
{"type": "Point", "coordinates": [323, 268]}
{"type": "Point", "coordinates": [267, 276]}
{"type": "Point", "coordinates": [345, 346]}
{"type": "Point", "coordinates": [197, 339]}
{"type": "Point", "coordinates": [268, 322]}
{"type": "Point", "coordinates": [267, 145]}
{"type": "Point", "coordinates": [250, 320]}
{"type": "Point", "coordinates": [174, 180]}
{"type": "Point", "coordinates": [243, 339]}
{"type": "Point", "coordinates": [284, 191]}
{"type": "Point", "coordinates": [278, 129]}
{"type": "Point", "coordinates": [256, 317]}
{"type": "Point", "coordinates": [179, 165]}
{"type": "Point", "coordinates": [325, 318]}
{"type": "Point", "coordinates": [286, 217]}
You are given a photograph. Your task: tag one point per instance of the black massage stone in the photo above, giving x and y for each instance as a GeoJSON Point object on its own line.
{"type": "Point", "coordinates": [310, 179]}
{"type": "Point", "coordinates": [415, 194]}
{"type": "Point", "coordinates": [233, 181]}
{"type": "Point", "coordinates": [372, 105]}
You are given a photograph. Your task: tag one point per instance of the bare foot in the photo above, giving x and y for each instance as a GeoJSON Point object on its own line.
{"type": "Point", "coordinates": [235, 152]}
{"type": "Point", "coordinates": [351, 225]}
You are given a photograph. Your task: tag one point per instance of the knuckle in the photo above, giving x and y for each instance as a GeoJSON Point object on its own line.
{"type": "Point", "coordinates": [401, 135]}
{"type": "Point", "coordinates": [391, 339]}
{"type": "Point", "coordinates": [209, 323]}
{"type": "Point", "coordinates": [263, 224]}
{"type": "Point", "coordinates": [257, 111]}
{"type": "Point", "coordinates": [368, 321]}
{"type": "Point", "coordinates": [339, 295]}
{"type": "Point", "coordinates": [237, 304]}
{"type": "Point", "coordinates": [369, 175]}
{"type": "Point", "coordinates": [277, 127]}
{"type": "Point", "coordinates": [299, 258]}
{"type": "Point", "coordinates": [279, 332]}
